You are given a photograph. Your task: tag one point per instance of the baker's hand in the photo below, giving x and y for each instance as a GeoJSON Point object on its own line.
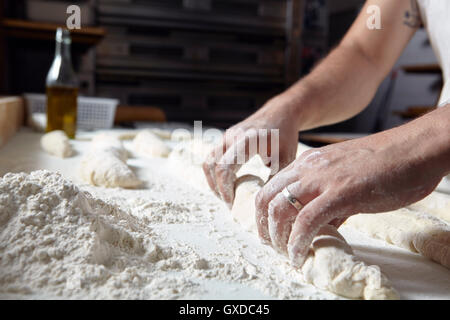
{"type": "Point", "coordinates": [378, 173]}
{"type": "Point", "coordinates": [248, 138]}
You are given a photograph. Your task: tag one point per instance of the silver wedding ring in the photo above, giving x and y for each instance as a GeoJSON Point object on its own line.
{"type": "Point", "coordinates": [297, 204]}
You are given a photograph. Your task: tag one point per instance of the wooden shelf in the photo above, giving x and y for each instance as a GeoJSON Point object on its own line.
{"type": "Point", "coordinates": [423, 69]}
{"type": "Point", "coordinates": [46, 31]}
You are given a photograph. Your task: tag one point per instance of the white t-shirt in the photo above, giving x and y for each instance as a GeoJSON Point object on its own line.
{"type": "Point", "coordinates": [435, 16]}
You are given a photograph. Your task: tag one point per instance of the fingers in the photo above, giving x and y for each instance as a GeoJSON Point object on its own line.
{"type": "Point", "coordinates": [237, 148]}
{"type": "Point", "coordinates": [281, 216]}
{"type": "Point", "coordinates": [227, 167]}
{"type": "Point", "coordinates": [222, 164]}
{"type": "Point", "coordinates": [265, 196]}
{"type": "Point", "coordinates": [311, 218]}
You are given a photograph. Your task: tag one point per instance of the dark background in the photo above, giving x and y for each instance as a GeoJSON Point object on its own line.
{"type": "Point", "coordinates": [211, 60]}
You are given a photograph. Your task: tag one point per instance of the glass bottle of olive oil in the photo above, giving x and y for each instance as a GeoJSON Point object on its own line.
{"type": "Point", "coordinates": [62, 88]}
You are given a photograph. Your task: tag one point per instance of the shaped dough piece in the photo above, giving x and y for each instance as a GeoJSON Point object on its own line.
{"type": "Point", "coordinates": [57, 143]}
{"type": "Point", "coordinates": [105, 164]}
{"type": "Point", "coordinates": [436, 204]}
{"type": "Point", "coordinates": [247, 188]}
{"type": "Point", "coordinates": [104, 169]}
{"type": "Point", "coordinates": [131, 134]}
{"type": "Point", "coordinates": [186, 160]}
{"type": "Point", "coordinates": [110, 143]}
{"type": "Point", "coordinates": [330, 264]}
{"type": "Point", "coordinates": [411, 230]}
{"type": "Point", "coordinates": [149, 144]}
{"type": "Point", "coordinates": [162, 134]}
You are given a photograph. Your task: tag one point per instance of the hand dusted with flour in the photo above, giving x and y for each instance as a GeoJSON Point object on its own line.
{"type": "Point", "coordinates": [330, 263]}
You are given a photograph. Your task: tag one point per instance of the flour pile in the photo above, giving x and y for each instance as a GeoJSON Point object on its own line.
{"type": "Point", "coordinates": [58, 238]}
{"type": "Point", "coordinates": [58, 241]}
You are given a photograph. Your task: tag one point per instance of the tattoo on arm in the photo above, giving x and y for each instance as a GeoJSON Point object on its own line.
{"type": "Point", "coordinates": [412, 16]}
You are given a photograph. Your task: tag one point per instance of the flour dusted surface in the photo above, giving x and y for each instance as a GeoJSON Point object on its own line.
{"type": "Point", "coordinates": [196, 248]}
{"type": "Point", "coordinates": [59, 241]}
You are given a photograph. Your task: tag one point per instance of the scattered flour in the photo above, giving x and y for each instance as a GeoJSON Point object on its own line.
{"type": "Point", "coordinates": [59, 241]}
{"type": "Point", "coordinates": [61, 238]}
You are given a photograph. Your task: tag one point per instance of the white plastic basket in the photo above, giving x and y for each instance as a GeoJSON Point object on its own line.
{"type": "Point", "coordinates": [92, 113]}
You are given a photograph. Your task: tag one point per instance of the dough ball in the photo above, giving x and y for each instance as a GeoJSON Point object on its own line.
{"type": "Point", "coordinates": [105, 164]}
{"type": "Point", "coordinates": [108, 142]}
{"type": "Point", "coordinates": [106, 170]}
{"type": "Point", "coordinates": [149, 144]}
{"type": "Point", "coordinates": [57, 143]}
{"type": "Point", "coordinates": [162, 134]}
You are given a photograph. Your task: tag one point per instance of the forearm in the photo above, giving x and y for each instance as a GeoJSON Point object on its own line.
{"type": "Point", "coordinates": [422, 144]}
{"type": "Point", "coordinates": [338, 88]}
{"type": "Point", "coordinates": [430, 138]}
{"type": "Point", "coordinates": [345, 82]}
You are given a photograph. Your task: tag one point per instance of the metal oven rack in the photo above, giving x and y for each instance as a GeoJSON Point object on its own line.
{"type": "Point", "coordinates": [210, 60]}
